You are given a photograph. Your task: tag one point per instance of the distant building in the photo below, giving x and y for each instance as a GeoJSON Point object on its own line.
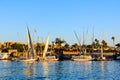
{"type": "Point", "coordinates": [8, 44]}
{"type": "Point", "coordinates": [14, 52]}
{"type": "Point", "coordinates": [70, 53]}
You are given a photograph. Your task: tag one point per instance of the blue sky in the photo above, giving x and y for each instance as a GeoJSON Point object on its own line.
{"type": "Point", "coordinates": [60, 18]}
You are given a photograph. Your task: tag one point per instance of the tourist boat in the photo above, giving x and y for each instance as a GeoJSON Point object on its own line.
{"type": "Point", "coordinates": [101, 58]}
{"type": "Point", "coordinates": [30, 52]}
{"type": "Point", "coordinates": [83, 57]}
{"type": "Point", "coordinates": [4, 56]}
{"type": "Point", "coordinates": [47, 58]}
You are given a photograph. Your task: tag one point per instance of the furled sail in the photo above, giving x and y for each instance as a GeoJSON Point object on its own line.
{"type": "Point", "coordinates": [30, 46]}
{"type": "Point", "coordinates": [46, 46]}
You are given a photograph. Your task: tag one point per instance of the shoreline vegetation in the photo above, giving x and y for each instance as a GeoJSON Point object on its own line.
{"type": "Point", "coordinates": [61, 47]}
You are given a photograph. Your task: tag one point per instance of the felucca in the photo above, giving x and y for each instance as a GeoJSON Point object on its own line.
{"type": "Point", "coordinates": [44, 57]}
{"type": "Point", "coordinates": [101, 58]}
{"type": "Point", "coordinates": [84, 56]}
{"type": "Point", "coordinates": [30, 52]}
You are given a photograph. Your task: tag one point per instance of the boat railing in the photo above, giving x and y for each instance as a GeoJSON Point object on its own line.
{"type": "Point", "coordinates": [81, 57]}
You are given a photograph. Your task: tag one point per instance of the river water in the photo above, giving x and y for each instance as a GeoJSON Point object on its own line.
{"type": "Point", "coordinates": [62, 70]}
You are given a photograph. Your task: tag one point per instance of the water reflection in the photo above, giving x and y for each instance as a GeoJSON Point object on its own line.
{"type": "Point", "coordinates": [102, 69]}
{"type": "Point", "coordinates": [30, 70]}
{"type": "Point", "coordinates": [85, 70]}
{"type": "Point", "coordinates": [87, 65]}
{"type": "Point", "coordinates": [63, 70]}
{"type": "Point", "coordinates": [102, 65]}
{"type": "Point", "coordinates": [45, 70]}
{"type": "Point", "coordinates": [59, 69]}
{"type": "Point", "coordinates": [71, 70]}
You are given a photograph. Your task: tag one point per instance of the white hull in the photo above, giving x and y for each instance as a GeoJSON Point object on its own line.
{"type": "Point", "coordinates": [101, 59]}
{"type": "Point", "coordinates": [29, 60]}
{"type": "Point", "coordinates": [30, 49]}
{"type": "Point", "coordinates": [48, 59]}
{"type": "Point", "coordinates": [16, 59]}
{"type": "Point", "coordinates": [4, 56]}
{"type": "Point", "coordinates": [82, 58]}
{"type": "Point", "coordinates": [45, 58]}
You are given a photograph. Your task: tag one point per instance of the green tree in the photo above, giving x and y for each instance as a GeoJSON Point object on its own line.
{"type": "Point", "coordinates": [66, 46]}
{"type": "Point", "coordinates": [104, 44]}
{"type": "Point", "coordinates": [19, 47]}
{"type": "Point", "coordinates": [118, 45]}
{"type": "Point", "coordinates": [39, 48]}
{"type": "Point", "coordinates": [75, 45]}
{"type": "Point", "coordinates": [89, 46]}
{"type": "Point", "coordinates": [59, 42]}
{"type": "Point", "coordinates": [97, 44]}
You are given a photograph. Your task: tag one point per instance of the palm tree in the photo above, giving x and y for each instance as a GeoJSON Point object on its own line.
{"type": "Point", "coordinates": [113, 38]}
{"type": "Point", "coordinates": [97, 44]}
{"type": "Point", "coordinates": [104, 44]}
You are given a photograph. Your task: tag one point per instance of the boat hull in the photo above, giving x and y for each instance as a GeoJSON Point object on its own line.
{"type": "Point", "coordinates": [100, 59]}
{"type": "Point", "coordinates": [48, 59]}
{"type": "Point", "coordinates": [29, 60]}
{"type": "Point", "coordinates": [82, 58]}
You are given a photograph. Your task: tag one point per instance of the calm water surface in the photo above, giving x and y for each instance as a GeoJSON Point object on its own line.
{"type": "Point", "coordinates": [63, 70]}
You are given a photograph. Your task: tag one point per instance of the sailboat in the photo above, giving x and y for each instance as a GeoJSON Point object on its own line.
{"type": "Point", "coordinates": [30, 52]}
{"type": "Point", "coordinates": [81, 57]}
{"type": "Point", "coordinates": [4, 56]}
{"type": "Point", "coordinates": [44, 57]}
{"type": "Point", "coordinates": [46, 47]}
{"type": "Point", "coordinates": [101, 58]}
